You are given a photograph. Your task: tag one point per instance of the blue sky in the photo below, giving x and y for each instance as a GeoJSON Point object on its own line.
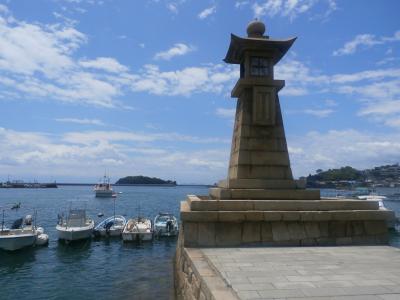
{"type": "Point", "coordinates": [139, 87]}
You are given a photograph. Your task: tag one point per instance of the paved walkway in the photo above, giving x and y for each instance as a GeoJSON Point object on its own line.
{"type": "Point", "coordinates": [368, 272]}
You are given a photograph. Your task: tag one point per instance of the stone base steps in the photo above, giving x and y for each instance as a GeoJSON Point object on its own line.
{"type": "Point", "coordinates": [188, 215]}
{"type": "Point", "coordinates": [206, 204]}
{"type": "Point", "coordinates": [264, 194]}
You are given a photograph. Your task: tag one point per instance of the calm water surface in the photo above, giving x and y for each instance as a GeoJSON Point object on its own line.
{"type": "Point", "coordinates": [101, 269]}
{"type": "Point", "coordinates": [97, 269]}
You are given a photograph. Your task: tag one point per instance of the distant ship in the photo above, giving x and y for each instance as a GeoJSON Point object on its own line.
{"type": "Point", "coordinates": [104, 189]}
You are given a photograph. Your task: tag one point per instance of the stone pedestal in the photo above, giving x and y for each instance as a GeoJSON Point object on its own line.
{"type": "Point", "coordinates": [219, 223]}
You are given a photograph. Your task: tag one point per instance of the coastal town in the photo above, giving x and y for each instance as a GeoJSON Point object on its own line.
{"type": "Point", "coordinates": [348, 177]}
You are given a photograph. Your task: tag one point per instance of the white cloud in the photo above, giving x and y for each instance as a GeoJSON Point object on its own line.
{"type": "Point", "coordinates": [225, 112]}
{"type": "Point", "coordinates": [382, 108]}
{"type": "Point", "coordinates": [320, 113]}
{"type": "Point", "coordinates": [81, 121]}
{"type": "Point", "coordinates": [338, 148]}
{"type": "Point", "coordinates": [36, 62]}
{"type": "Point", "coordinates": [366, 75]}
{"type": "Point", "coordinates": [289, 8]}
{"type": "Point", "coordinates": [207, 12]}
{"type": "Point", "coordinates": [365, 40]}
{"type": "Point", "coordinates": [173, 5]}
{"type": "Point", "coordinates": [108, 64]}
{"type": "Point", "coordinates": [172, 8]}
{"type": "Point", "coordinates": [178, 49]}
{"type": "Point", "coordinates": [331, 103]}
{"type": "Point", "coordinates": [393, 122]}
{"type": "Point", "coordinates": [241, 3]}
{"type": "Point", "coordinates": [60, 156]}
{"type": "Point", "coordinates": [210, 78]}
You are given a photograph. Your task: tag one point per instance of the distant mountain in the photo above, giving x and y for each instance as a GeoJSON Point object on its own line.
{"type": "Point", "coordinates": [144, 180]}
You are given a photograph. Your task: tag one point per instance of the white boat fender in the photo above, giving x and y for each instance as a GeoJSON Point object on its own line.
{"type": "Point", "coordinates": [42, 239]}
{"type": "Point", "coordinates": [40, 230]}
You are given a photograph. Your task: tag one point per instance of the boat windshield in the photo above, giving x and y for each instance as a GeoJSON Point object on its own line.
{"type": "Point", "coordinates": [163, 218]}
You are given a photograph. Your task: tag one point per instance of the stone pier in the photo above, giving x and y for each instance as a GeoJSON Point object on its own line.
{"type": "Point", "coordinates": [260, 204]}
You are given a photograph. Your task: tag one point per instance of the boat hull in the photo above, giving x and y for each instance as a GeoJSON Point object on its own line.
{"type": "Point", "coordinates": [73, 234]}
{"type": "Point", "coordinates": [164, 232]}
{"type": "Point", "coordinates": [111, 232]}
{"type": "Point", "coordinates": [12, 243]}
{"type": "Point", "coordinates": [104, 194]}
{"type": "Point", "coordinates": [137, 236]}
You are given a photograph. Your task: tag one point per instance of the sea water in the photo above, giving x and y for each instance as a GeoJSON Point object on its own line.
{"type": "Point", "coordinates": [100, 269]}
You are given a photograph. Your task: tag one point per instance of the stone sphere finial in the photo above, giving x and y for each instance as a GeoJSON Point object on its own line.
{"type": "Point", "coordinates": [256, 28]}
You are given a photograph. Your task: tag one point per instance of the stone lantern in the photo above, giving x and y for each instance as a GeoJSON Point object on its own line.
{"type": "Point", "coordinates": [260, 203]}
{"type": "Point", "coordinates": [259, 166]}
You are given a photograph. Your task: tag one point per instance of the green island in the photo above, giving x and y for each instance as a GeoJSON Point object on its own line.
{"type": "Point", "coordinates": [141, 180]}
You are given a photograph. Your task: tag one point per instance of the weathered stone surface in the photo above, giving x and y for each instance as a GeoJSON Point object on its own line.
{"type": "Point", "coordinates": [308, 242]}
{"type": "Point", "coordinates": [312, 229]}
{"type": "Point", "coordinates": [337, 229]}
{"type": "Point", "coordinates": [358, 228]}
{"type": "Point", "coordinates": [251, 232]}
{"type": "Point", "coordinates": [190, 231]}
{"type": "Point", "coordinates": [206, 234]}
{"type": "Point", "coordinates": [296, 230]}
{"type": "Point", "coordinates": [291, 215]}
{"type": "Point", "coordinates": [280, 231]}
{"type": "Point", "coordinates": [231, 216]}
{"type": "Point", "coordinates": [266, 232]}
{"type": "Point", "coordinates": [270, 216]}
{"type": "Point", "coordinates": [228, 234]}
{"type": "Point", "coordinates": [254, 216]}
{"type": "Point", "coordinates": [340, 241]}
{"type": "Point", "coordinates": [375, 227]}
{"type": "Point", "coordinates": [323, 229]}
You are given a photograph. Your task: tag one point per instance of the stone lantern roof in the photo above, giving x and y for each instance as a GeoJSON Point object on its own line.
{"type": "Point", "coordinates": [257, 41]}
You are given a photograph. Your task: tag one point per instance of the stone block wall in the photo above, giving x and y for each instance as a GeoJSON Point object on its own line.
{"type": "Point", "coordinates": [195, 278]}
{"type": "Point", "coordinates": [284, 233]}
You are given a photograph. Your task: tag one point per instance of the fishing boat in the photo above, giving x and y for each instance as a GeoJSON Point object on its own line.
{"type": "Point", "coordinates": [103, 189]}
{"type": "Point", "coordinates": [23, 233]}
{"type": "Point", "coordinates": [137, 229]}
{"type": "Point", "coordinates": [112, 226]}
{"type": "Point", "coordinates": [165, 224]}
{"type": "Point", "coordinates": [75, 226]}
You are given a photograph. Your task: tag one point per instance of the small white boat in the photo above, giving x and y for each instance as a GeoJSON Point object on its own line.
{"type": "Point", "coordinates": [112, 226]}
{"type": "Point", "coordinates": [21, 234]}
{"type": "Point", "coordinates": [104, 189]}
{"type": "Point", "coordinates": [138, 229]}
{"type": "Point", "coordinates": [165, 224]}
{"type": "Point", "coordinates": [76, 226]}
{"type": "Point", "coordinates": [374, 197]}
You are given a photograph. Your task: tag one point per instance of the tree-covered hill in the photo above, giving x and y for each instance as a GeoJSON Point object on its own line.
{"type": "Point", "coordinates": [144, 180]}
{"type": "Point", "coordinates": [344, 173]}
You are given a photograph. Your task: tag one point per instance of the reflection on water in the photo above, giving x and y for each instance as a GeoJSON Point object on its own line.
{"type": "Point", "coordinates": [11, 262]}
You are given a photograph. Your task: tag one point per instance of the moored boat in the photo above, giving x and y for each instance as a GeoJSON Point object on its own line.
{"type": "Point", "coordinates": [137, 229]}
{"type": "Point", "coordinates": [104, 189]}
{"type": "Point", "coordinates": [23, 233]}
{"type": "Point", "coordinates": [75, 226]}
{"type": "Point", "coordinates": [112, 226]}
{"type": "Point", "coordinates": [165, 224]}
